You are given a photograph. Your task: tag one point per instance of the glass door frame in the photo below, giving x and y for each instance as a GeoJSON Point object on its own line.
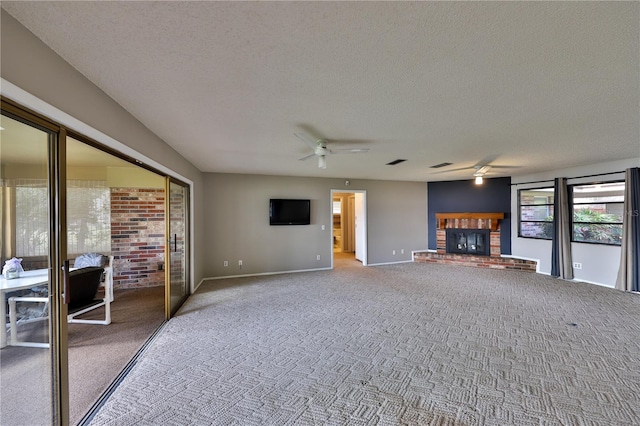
{"type": "Point", "coordinates": [186, 243]}
{"type": "Point", "coordinates": [58, 338]}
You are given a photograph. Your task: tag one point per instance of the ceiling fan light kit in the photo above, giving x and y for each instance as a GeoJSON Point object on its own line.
{"type": "Point", "coordinates": [480, 171]}
{"type": "Point", "coordinates": [321, 149]}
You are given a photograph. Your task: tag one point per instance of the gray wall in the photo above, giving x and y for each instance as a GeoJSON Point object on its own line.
{"type": "Point", "coordinates": [237, 222]}
{"type": "Point", "coordinates": [32, 66]}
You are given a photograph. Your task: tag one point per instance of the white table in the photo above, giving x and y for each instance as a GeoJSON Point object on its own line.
{"type": "Point", "coordinates": [26, 280]}
{"type": "Point", "coordinates": [36, 278]}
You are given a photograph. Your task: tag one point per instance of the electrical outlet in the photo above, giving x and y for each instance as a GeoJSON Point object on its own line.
{"type": "Point", "coordinates": [393, 252]}
{"type": "Point", "coordinates": [401, 251]}
{"type": "Point", "coordinates": [577, 265]}
{"type": "Point", "coordinates": [226, 263]}
{"type": "Point", "coordinates": [323, 227]}
{"type": "Point", "coordinates": [239, 262]}
{"type": "Point", "coordinates": [318, 257]}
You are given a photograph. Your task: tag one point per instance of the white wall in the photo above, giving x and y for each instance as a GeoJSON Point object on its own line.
{"type": "Point", "coordinates": [599, 262]}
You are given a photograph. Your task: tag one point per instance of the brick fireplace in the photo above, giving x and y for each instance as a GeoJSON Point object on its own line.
{"type": "Point", "coordinates": [466, 222]}
{"type": "Point", "coordinates": [466, 232]}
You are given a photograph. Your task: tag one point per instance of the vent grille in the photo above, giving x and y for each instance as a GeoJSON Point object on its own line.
{"type": "Point", "coordinates": [437, 166]}
{"type": "Point", "coordinates": [394, 162]}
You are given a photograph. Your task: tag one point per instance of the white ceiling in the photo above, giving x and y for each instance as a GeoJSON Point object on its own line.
{"type": "Point", "coordinates": [530, 86]}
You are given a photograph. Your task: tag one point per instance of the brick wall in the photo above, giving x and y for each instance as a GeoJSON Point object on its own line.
{"type": "Point", "coordinates": [137, 237]}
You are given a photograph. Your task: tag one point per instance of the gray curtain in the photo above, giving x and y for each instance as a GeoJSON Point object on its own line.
{"type": "Point", "coordinates": [561, 266]}
{"type": "Point", "coordinates": [629, 272]}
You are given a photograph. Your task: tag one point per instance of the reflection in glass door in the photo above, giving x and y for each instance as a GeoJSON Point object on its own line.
{"type": "Point", "coordinates": [177, 253]}
{"type": "Point", "coordinates": [28, 216]}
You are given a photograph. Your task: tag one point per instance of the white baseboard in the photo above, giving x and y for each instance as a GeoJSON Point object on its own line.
{"type": "Point", "coordinates": [264, 273]}
{"type": "Point", "coordinates": [390, 263]}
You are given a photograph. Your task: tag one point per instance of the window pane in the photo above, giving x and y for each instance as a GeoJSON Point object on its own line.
{"type": "Point", "coordinates": [597, 233]}
{"type": "Point", "coordinates": [536, 196]}
{"type": "Point", "coordinates": [536, 229]}
{"type": "Point", "coordinates": [600, 193]}
{"type": "Point", "coordinates": [598, 213]}
{"type": "Point", "coordinates": [536, 213]}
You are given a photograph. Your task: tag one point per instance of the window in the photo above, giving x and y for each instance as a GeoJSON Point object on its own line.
{"type": "Point", "coordinates": [597, 213]}
{"type": "Point", "coordinates": [32, 217]}
{"type": "Point", "coordinates": [536, 213]}
{"type": "Point", "coordinates": [88, 217]}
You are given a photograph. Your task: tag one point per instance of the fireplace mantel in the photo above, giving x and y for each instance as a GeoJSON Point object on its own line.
{"type": "Point", "coordinates": [491, 218]}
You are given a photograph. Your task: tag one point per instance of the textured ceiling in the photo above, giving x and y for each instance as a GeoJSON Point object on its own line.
{"type": "Point", "coordinates": [529, 86]}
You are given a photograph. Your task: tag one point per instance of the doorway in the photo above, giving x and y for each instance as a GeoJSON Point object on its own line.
{"type": "Point", "coordinates": [348, 226]}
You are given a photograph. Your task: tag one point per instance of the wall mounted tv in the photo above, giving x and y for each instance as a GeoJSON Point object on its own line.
{"type": "Point", "coordinates": [289, 212]}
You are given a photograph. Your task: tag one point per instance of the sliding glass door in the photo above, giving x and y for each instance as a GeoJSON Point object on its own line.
{"type": "Point", "coordinates": [32, 239]}
{"type": "Point", "coordinates": [177, 249]}
{"type": "Point", "coordinates": [37, 236]}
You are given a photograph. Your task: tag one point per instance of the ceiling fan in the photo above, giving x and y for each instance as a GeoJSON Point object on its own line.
{"type": "Point", "coordinates": [321, 149]}
{"type": "Point", "coordinates": [480, 169]}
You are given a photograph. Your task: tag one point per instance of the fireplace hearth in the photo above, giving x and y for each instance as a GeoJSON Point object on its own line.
{"type": "Point", "coordinates": [468, 241]}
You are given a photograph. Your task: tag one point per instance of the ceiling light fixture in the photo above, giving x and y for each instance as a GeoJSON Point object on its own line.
{"type": "Point", "coordinates": [322, 162]}
{"type": "Point", "coordinates": [480, 171]}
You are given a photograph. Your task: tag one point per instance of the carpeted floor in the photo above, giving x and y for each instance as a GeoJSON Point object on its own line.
{"type": "Point", "coordinates": [396, 344]}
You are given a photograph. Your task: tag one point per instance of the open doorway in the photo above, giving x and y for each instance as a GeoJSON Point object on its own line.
{"type": "Point", "coordinates": [348, 227]}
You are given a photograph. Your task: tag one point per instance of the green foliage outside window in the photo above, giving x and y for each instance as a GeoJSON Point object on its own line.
{"type": "Point", "coordinates": [590, 227]}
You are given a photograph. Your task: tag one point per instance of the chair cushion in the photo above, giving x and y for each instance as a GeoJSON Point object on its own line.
{"type": "Point", "coordinates": [91, 259]}
{"type": "Point", "coordinates": [83, 286]}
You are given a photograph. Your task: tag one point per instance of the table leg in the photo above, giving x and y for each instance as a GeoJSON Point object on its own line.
{"type": "Point", "coordinates": [3, 315]}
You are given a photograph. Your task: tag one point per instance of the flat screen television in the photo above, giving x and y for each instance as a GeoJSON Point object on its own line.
{"type": "Point", "coordinates": [289, 212]}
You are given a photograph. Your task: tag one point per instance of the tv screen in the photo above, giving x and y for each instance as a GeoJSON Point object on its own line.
{"type": "Point", "coordinates": [289, 212]}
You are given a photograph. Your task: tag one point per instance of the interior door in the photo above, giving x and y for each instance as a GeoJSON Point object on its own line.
{"type": "Point", "coordinates": [33, 344]}
{"type": "Point", "coordinates": [350, 218]}
{"type": "Point", "coordinates": [361, 229]}
{"type": "Point", "coordinates": [177, 248]}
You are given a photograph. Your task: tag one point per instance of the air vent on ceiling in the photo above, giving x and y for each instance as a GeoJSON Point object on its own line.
{"type": "Point", "coordinates": [394, 162]}
{"type": "Point", "coordinates": [437, 166]}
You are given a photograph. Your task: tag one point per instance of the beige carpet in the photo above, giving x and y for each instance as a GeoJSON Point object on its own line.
{"type": "Point", "coordinates": [398, 344]}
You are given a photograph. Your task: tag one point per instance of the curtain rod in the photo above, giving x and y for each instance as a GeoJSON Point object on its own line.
{"type": "Point", "coordinates": [574, 177]}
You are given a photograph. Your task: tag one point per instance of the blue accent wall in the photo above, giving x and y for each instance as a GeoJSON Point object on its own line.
{"type": "Point", "coordinates": [462, 196]}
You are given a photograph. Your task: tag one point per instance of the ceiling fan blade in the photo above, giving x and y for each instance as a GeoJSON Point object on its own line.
{"type": "Point", "coordinates": [307, 139]}
{"type": "Point", "coordinates": [481, 170]}
{"type": "Point", "coordinates": [307, 156]}
{"type": "Point", "coordinates": [451, 170]}
{"type": "Point", "coordinates": [350, 151]}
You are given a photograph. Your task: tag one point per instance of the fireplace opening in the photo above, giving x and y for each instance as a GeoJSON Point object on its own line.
{"type": "Point", "coordinates": [468, 241]}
